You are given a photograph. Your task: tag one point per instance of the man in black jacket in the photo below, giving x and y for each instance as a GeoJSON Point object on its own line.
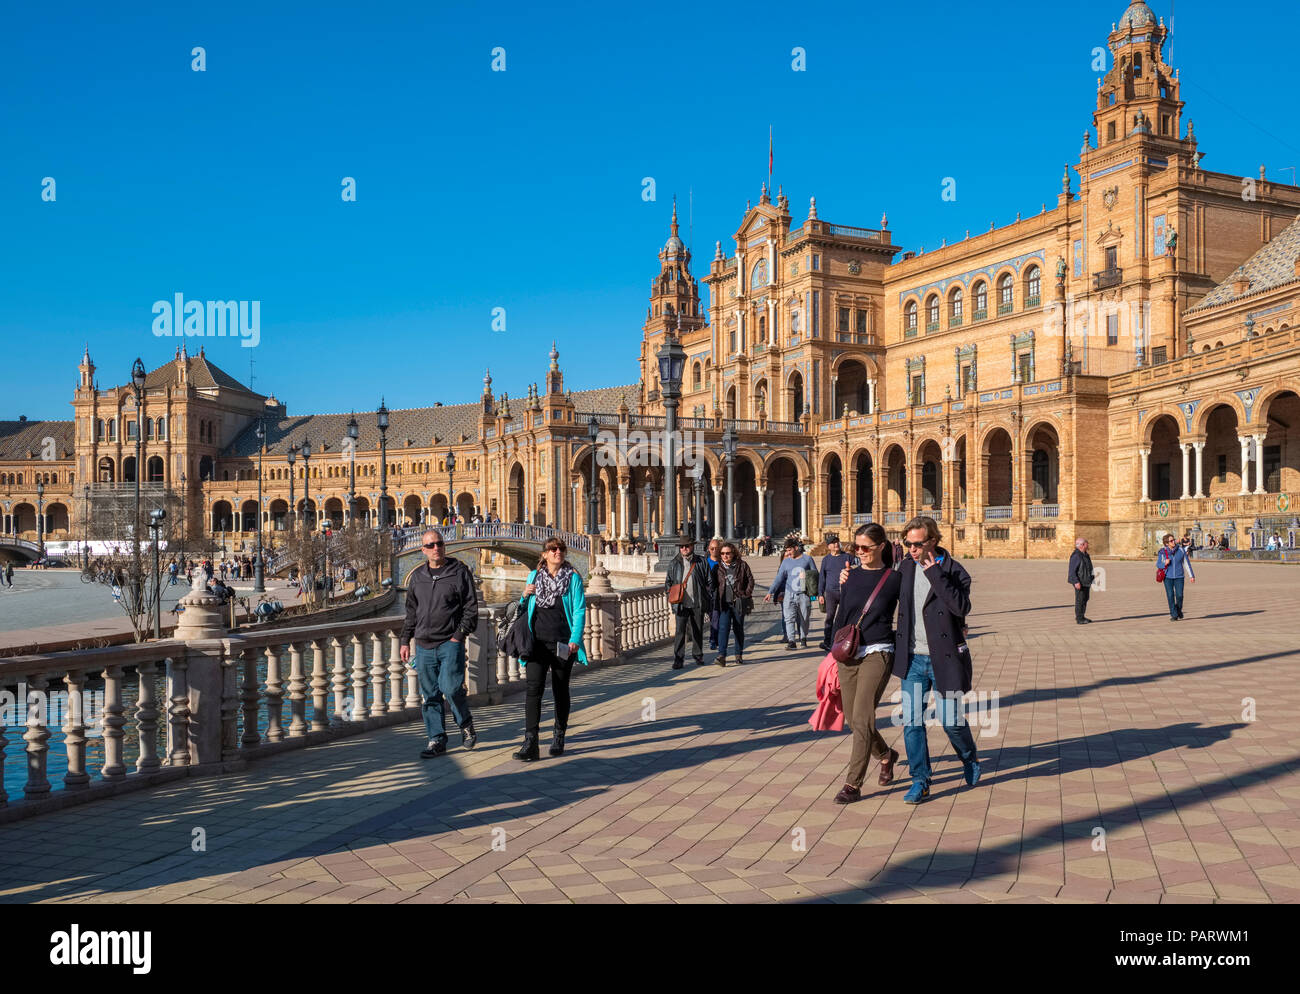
{"type": "Point", "coordinates": [828, 589]}
{"type": "Point", "coordinates": [696, 600]}
{"type": "Point", "coordinates": [441, 612]}
{"type": "Point", "coordinates": [930, 650]}
{"type": "Point", "coordinates": [1080, 577]}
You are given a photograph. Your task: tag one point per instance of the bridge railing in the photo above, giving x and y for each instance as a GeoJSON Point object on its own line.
{"type": "Point", "coordinates": [131, 716]}
{"type": "Point", "coordinates": [407, 538]}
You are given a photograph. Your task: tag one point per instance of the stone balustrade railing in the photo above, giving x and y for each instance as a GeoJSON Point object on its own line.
{"type": "Point", "coordinates": [209, 701]}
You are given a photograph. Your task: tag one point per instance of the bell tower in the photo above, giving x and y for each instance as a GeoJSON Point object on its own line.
{"type": "Point", "coordinates": [1140, 94]}
{"type": "Point", "coordinates": [674, 291]}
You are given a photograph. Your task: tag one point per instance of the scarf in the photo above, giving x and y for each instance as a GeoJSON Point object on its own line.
{"type": "Point", "coordinates": [551, 587]}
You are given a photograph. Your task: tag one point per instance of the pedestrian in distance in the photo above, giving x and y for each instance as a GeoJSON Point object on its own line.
{"type": "Point", "coordinates": [869, 591]}
{"type": "Point", "coordinates": [689, 581]}
{"type": "Point", "coordinates": [1172, 566]}
{"type": "Point", "coordinates": [441, 613]}
{"type": "Point", "coordinates": [828, 585]}
{"type": "Point", "coordinates": [791, 585]}
{"type": "Point", "coordinates": [732, 600]}
{"type": "Point", "coordinates": [931, 651]}
{"type": "Point", "coordinates": [1079, 575]}
{"type": "Point", "coordinates": [557, 616]}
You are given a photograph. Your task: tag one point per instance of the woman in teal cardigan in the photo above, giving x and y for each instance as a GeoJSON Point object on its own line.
{"type": "Point", "coordinates": [557, 615]}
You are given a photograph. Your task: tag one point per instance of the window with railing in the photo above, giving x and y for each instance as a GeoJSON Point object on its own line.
{"type": "Point", "coordinates": [955, 308]}
{"type": "Point", "coordinates": [1112, 329]}
{"type": "Point", "coordinates": [1033, 287]}
{"type": "Point", "coordinates": [132, 431]}
{"type": "Point", "coordinates": [862, 322]}
{"type": "Point", "coordinates": [932, 313]}
{"type": "Point", "coordinates": [1004, 295]}
{"type": "Point", "coordinates": [844, 319]}
{"type": "Point", "coordinates": [981, 301]}
{"type": "Point", "coordinates": [909, 319]}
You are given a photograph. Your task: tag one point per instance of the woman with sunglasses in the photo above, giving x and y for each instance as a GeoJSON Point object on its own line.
{"type": "Point", "coordinates": [734, 586]}
{"type": "Point", "coordinates": [869, 590]}
{"type": "Point", "coordinates": [557, 615]}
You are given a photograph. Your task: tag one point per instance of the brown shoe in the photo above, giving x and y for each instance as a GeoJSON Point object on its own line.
{"type": "Point", "coordinates": [848, 794]}
{"type": "Point", "coordinates": [887, 768]}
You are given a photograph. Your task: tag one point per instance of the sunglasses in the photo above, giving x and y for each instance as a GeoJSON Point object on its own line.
{"type": "Point", "coordinates": [866, 548]}
{"type": "Point", "coordinates": [917, 545]}
{"type": "Point", "coordinates": [556, 549]}
{"type": "Point", "coordinates": [434, 545]}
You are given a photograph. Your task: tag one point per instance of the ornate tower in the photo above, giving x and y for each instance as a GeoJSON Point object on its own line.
{"type": "Point", "coordinates": [674, 305]}
{"type": "Point", "coordinates": [1140, 94]}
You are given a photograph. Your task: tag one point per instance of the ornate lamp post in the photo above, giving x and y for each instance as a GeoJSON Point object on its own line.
{"type": "Point", "coordinates": [138, 376]}
{"type": "Point", "coordinates": [672, 359]}
{"type": "Point", "coordinates": [155, 528]}
{"type": "Point", "coordinates": [85, 529]}
{"type": "Point", "coordinates": [40, 518]}
{"type": "Point", "coordinates": [292, 457]}
{"type": "Point", "coordinates": [259, 580]}
{"type": "Point", "coordinates": [593, 432]}
{"type": "Point", "coordinates": [353, 435]}
{"type": "Point", "coordinates": [182, 517]}
{"type": "Point", "coordinates": [305, 449]}
{"type": "Point", "coordinates": [381, 418]}
{"type": "Point", "coordinates": [697, 475]}
{"type": "Point", "coordinates": [451, 486]}
{"type": "Point", "coordinates": [729, 453]}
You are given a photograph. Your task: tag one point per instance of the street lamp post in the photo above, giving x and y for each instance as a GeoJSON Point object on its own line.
{"type": "Point", "coordinates": [698, 474]}
{"type": "Point", "coordinates": [259, 579]}
{"type": "Point", "coordinates": [292, 457]}
{"type": "Point", "coordinates": [85, 529]}
{"type": "Point", "coordinates": [40, 519]}
{"type": "Point", "coordinates": [451, 486]}
{"type": "Point", "coordinates": [182, 518]}
{"type": "Point", "coordinates": [381, 418]}
{"type": "Point", "coordinates": [305, 449]}
{"type": "Point", "coordinates": [672, 359]}
{"type": "Point", "coordinates": [353, 434]}
{"type": "Point", "coordinates": [155, 527]}
{"type": "Point", "coordinates": [593, 432]}
{"type": "Point", "coordinates": [729, 453]}
{"type": "Point", "coordinates": [138, 376]}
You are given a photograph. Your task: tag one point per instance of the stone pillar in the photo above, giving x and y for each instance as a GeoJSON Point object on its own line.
{"type": "Point", "coordinates": [1146, 474]}
{"type": "Point", "coordinates": [194, 688]}
{"type": "Point", "coordinates": [763, 511]}
{"type": "Point", "coordinates": [1185, 446]}
{"type": "Point", "coordinates": [803, 511]}
{"type": "Point", "coordinates": [767, 509]}
{"type": "Point", "coordinates": [622, 513]}
{"type": "Point", "coordinates": [1200, 478]}
{"type": "Point", "coordinates": [1259, 463]}
{"type": "Point", "coordinates": [1245, 465]}
{"type": "Point", "coordinates": [717, 511]}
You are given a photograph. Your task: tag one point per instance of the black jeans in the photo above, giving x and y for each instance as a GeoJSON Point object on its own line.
{"type": "Point", "coordinates": [544, 660]}
{"type": "Point", "coordinates": [691, 623]}
{"type": "Point", "coordinates": [1081, 602]}
{"type": "Point", "coordinates": [832, 605]}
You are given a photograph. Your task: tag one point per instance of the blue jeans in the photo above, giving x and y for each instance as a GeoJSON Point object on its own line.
{"type": "Point", "coordinates": [795, 610]}
{"type": "Point", "coordinates": [728, 623]}
{"type": "Point", "coordinates": [1174, 594]}
{"type": "Point", "coordinates": [441, 672]}
{"type": "Point", "coordinates": [916, 685]}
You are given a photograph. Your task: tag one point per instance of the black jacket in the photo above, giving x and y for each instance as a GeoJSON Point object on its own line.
{"type": "Point", "coordinates": [701, 584]}
{"type": "Point", "coordinates": [1080, 569]}
{"type": "Point", "coordinates": [439, 607]}
{"type": "Point", "coordinates": [744, 588]}
{"type": "Point", "coordinates": [944, 613]}
{"type": "Point", "coordinates": [877, 624]}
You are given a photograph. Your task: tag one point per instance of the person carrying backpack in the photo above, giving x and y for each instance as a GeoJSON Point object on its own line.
{"type": "Point", "coordinates": [796, 581]}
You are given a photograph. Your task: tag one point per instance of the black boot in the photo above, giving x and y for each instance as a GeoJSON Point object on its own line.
{"type": "Point", "coordinates": [528, 751]}
{"type": "Point", "coordinates": [557, 743]}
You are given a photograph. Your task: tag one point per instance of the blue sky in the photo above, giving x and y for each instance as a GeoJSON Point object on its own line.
{"type": "Point", "coordinates": [518, 189]}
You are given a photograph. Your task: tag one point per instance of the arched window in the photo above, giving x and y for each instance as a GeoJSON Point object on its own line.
{"type": "Point", "coordinates": [1004, 294]}
{"type": "Point", "coordinates": [762, 327]}
{"type": "Point", "coordinates": [1033, 286]}
{"type": "Point", "coordinates": [932, 313]}
{"type": "Point", "coordinates": [162, 428]}
{"type": "Point", "coordinates": [955, 307]}
{"type": "Point", "coordinates": [696, 376]}
{"type": "Point", "coordinates": [981, 300]}
{"type": "Point", "coordinates": [911, 316]}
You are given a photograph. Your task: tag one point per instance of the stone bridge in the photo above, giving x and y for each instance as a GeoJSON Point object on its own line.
{"type": "Point", "coordinates": [18, 550]}
{"type": "Point", "coordinates": [518, 541]}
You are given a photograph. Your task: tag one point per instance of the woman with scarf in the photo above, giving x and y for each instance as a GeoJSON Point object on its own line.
{"type": "Point", "coordinates": [557, 615]}
{"type": "Point", "coordinates": [731, 599]}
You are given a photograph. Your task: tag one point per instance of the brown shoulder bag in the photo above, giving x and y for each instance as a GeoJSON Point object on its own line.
{"type": "Point", "coordinates": [677, 591]}
{"type": "Point", "coordinates": [847, 639]}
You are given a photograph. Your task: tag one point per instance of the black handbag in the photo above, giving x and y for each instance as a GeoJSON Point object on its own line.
{"type": "Point", "coordinates": [519, 640]}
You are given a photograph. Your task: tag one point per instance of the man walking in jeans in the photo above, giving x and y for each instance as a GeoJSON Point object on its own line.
{"type": "Point", "coordinates": [930, 650]}
{"type": "Point", "coordinates": [1080, 576]}
{"type": "Point", "coordinates": [441, 612]}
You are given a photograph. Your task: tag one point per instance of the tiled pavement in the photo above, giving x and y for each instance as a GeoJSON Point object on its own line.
{"type": "Point", "coordinates": [1120, 768]}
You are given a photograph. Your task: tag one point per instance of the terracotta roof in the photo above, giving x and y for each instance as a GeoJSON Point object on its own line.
{"type": "Point", "coordinates": [204, 374]}
{"type": "Point", "coordinates": [1269, 268]}
{"type": "Point", "coordinates": [17, 438]}
{"type": "Point", "coordinates": [419, 424]}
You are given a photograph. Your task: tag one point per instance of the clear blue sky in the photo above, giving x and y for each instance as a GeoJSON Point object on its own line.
{"type": "Point", "coordinates": [522, 189]}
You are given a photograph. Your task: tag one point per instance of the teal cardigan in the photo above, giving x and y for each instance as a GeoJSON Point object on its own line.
{"type": "Point", "coordinates": [575, 606]}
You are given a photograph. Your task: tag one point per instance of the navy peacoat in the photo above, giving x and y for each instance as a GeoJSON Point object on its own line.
{"type": "Point", "coordinates": [944, 612]}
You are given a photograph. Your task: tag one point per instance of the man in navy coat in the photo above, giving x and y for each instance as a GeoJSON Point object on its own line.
{"type": "Point", "coordinates": [931, 651]}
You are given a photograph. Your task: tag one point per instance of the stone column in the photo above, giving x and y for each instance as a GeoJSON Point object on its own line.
{"type": "Point", "coordinates": [1259, 463]}
{"type": "Point", "coordinates": [803, 511]}
{"type": "Point", "coordinates": [766, 509]}
{"type": "Point", "coordinates": [622, 513]}
{"type": "Point", "coordinates": [1245, 465]}
{"type": "Point", "coordinates": [1200, 478]}
{"type": "Point", "coordinates": [1184, 446]}
{"type": "Point", "coordinates": [1146, 474]}
{"type": "Point", "coordinates": [762, 511]}
{"type": "Point", "coordinates": [717, 511]}
{"type": "Point", "coordinates": [194, 686]}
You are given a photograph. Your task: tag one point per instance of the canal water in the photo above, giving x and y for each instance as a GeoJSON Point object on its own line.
{"type": "Point", "coordinates": [15, 699]}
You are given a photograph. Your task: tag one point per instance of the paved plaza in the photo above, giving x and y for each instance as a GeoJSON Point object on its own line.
{"type": "Point", "coordinates": [1124, 765]}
